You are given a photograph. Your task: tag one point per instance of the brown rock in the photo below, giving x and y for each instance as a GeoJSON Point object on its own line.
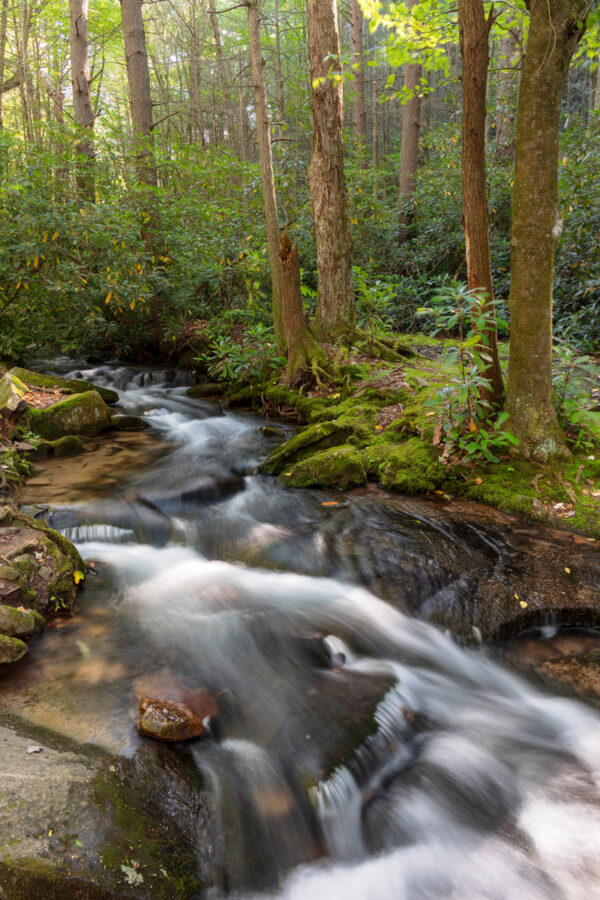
{"type": "Point", "coordinates": [170, 711]}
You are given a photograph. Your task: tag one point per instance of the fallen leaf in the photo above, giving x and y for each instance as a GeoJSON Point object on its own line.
{"type": "Point", "coordinates": [567, 570]}
{"type": "Point", "coordinates": [523, 604]}
{"type": "Point", "coordinates": [330, 503]}
{"type": "Point", "coordinates": [437, 435]}
{"type": "Point", "coordinates": [34, 749]}
{"type": "Point", "coordinates": [473, 427]}
{"type": "Point", "coordinates": [479, 481]}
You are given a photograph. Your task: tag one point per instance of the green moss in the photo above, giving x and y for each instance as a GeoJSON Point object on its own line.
{"type": "Point", "coordinates": [80, 414]}
{"type": "Point", "coordinates": [311, 438]}
{"type": "Point", "coordinates": [200, 391]}
{"type": "Point", "coordinates": [340, 467]}
{"type": "Point", "coordinates": [36, 379]}
{"type": "Point", "coordinates": [11, 649]}
{"type": "Point", "coordinates": [411, 467]}
{"type": "Point", "coordinates": [68, 446]}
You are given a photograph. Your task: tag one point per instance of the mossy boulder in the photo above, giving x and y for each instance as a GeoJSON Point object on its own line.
{"type": "Point", "coordinates": [11, 649]}
{"type": "Point", "coordinates": [81, 414]}
{"type": "Point", "coordinates": [19, 622]}
{"type": "Point", "coordinates": [201, 391]}
{"type": "Point", "coordinates": [410, 467]}
{"type": "Point", "coordinates": [340, 467]}
{"type": "Point", "coordinates": [68, 446]}
{"type": "Point", "coordinates": [314, 437]}
{"type": "Point", "coordinates": [12, 390]}
{"type": "Point", "coordinates": [74, 386]}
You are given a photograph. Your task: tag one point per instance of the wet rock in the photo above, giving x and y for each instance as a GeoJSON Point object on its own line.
{"type": "Point", "coordinates": [270, 431]}
{"type": "Point", "coordinates": [339, 468]}
{"type": "Point", "coordinates": [129, 423]}
{"type": "Point", "coordinates": [74, 386]}
{"type": "Point", "coordinates": [201, 391]}
{"type": "Point", "coordinates": [169, 711]}
{"type": "Point", "coordinates": [577, 675]}
{"type": "Point", "coordinates": [19, 622]}
{"type": "Point", "coordinates": [81, 414]}
{"type": "Point", "coordinates": [68, 446]}
{"type": "Point", "coordinates": [12, 391]}
{"type": "Point", "coordinates": [204, 491]}
{"type": "Point", "coordinates": [79, 825]}
{"type": "Point", "coordinates": [11, 649]}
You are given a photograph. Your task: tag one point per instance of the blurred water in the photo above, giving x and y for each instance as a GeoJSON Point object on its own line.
{"type": "Point", "coordinates": [361, 753]}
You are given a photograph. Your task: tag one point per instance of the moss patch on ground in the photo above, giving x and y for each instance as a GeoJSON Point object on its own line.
{"type": "Point", "coordinates": [384, 418]}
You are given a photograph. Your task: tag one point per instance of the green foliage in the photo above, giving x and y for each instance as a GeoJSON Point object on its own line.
{"type": "Point", "coordinates": [573, 377]}
{"type": "Point", "coordinates": [240, 352]}
{"type": "Point", "coordinates": [470, 427]}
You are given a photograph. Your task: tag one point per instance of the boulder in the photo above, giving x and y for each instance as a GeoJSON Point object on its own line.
{"type": "Point", "coordinates": [19, 622]}
{"type": "Point", "coordinates": [312, 438]}
{"type": "Point", "coordinates": [129, 423]}
{"type": "Point", "coordinates": [169, 711]}
{"type": "Point", "coordinates": [11, 649]}
{"type": "Point", "coordinates": [12, 391]}
{"type": "Point", "coordinates": [201, 391]}
{"type": "Point", "coordinates": [81, 414]}
{"type": "Point", "coordinates": [74, 386]}
{"type": "Point", "coordinates": [340, 468]}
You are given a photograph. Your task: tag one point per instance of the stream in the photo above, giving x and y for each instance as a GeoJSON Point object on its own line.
{"type": "Point", "coordinates": [362, 751]}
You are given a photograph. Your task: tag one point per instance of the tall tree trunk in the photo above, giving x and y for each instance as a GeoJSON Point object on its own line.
{"type": "Point", "coordinates": [278, 68]}
{"type": "Point", "coordinates": [224, 76]}
{"type": "Point", "coordinates": [3, 27]}
{"type": "Point", "coordinates": [140, 104]}
{"type": "Point", "coordinates": [263, 133]}
{"type": "Point", "coordinates": [409, 153]}
{"type": "Point", "coordinates": [474, 36]}
{"type": "Point", "coordinates": [360, 109]}
{"type": "Point", "coordinates": [140, 98]}
{"type": "Point", "coordinates": [82, 98]}
{"type": "Point", "coordinates": [554, 32]}
{"type": "Point", "coordinates": [505, 95]}
{"type": "Point", "coordinates": [327, 181]}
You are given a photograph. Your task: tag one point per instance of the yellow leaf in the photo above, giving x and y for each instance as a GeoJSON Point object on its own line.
{"type": "Point", "coordinates": [473, 427]}
{"type": "Point", "coordinates": [108, 296]}
{"type": "Point", "coordinates": [567, 570]}
{"type": "Point", "coordinates": [18, 284]}
{"type": "Point", "coordinates": [55, 235]}
{"type": "Point", "coordinates": [50, 833]}
{"type": "Point", "coordinates": [45, 237]}
{"type": "Point", "coordinates": [287, 474]}
{"type": "Point", "coordinates": [523, 604]}
{"type": "Point", "coordinates": [132, 305]}
{"type": "Point", "coordinates": [78, 576]}
{"type": "Point", "coordinates": [36, 262]}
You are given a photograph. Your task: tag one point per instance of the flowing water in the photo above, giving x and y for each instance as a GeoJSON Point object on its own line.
{"type": "Point", "coordinates": [361, 753]}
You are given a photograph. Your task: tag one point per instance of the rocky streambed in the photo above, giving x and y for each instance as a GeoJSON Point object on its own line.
{"type": "Point", "coordinates": [340, 738]}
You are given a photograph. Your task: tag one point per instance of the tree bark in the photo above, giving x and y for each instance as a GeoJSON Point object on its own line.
{"type": "Point", "coordinates": [505, 96]}
{"type": "Point", "coordinates": [360, 109]}
{"type": "Point", "coordinates": [327, 182]}
{"type": "Point", "coordinates": [554, 32]}
{"type": "Point", "coordinates": [82, 98]}
{"type": "Point", "coordinates": [225, 79]}
{"type": "Point", "coordinates": [304, 354]}
{"type": "Point", "coordinates": [3, 27]}
{"type": "Point", "coordinates": [263, 133]}
{"type": "Point", "coordinates": [278, 68]}
{"type": "Point", "coordinates": [409, 151]}
{"type": "Point", "coordinates": [474, 36]}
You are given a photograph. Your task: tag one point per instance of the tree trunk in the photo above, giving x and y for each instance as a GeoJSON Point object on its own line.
{"type": "Point", "coordinates": [82, 98]}
{"type": "Point", "coordinates": [409, 152]}
{"type": "Point", "coordinates": [474, 35]}
{"type": "Point", "coordinates": [225, 80]}
{"type": "Point", "coordinates": [278, 69]}
{"type": "Point", "coordinates": [554, 32]}
{"type": "Point", "coordinates": [360, 109]}
{"type": "Point", "coordinates": [505, 96]}
{"type": "Point", "coordinates": [326, 177]}
{"type": "Point", "coordinates": [263, 133]}
{"type": "Point", "coordinates": [304, 354]}
{"type": "Point", "coordinates": [3, 27]}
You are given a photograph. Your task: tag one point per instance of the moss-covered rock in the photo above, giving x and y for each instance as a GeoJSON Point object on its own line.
{"type": "Point", "coordinates": [314, 437]}
{"type": "Point", "coordinates": [340, 467]}
{"type": "Point", "coordinates": [12, 390]}
{"type": "Point", "coordinates": [74, 386]}
{"type": "Point", "coordinates": [410, 467]}
{"type": "Point", "coordinates": [11, 649]}
{"type": "Point", "coordinates": [201, 391]}
{"type": "Point", "coordinates": [81, 414]}
{"type": "Point", "coordinates": [70, 445]}
{"type": "Point", "coordinates": [19, 622]}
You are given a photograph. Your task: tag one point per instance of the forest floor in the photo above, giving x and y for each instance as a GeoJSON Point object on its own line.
{"type": "Point", "coordinates": [383, 421]}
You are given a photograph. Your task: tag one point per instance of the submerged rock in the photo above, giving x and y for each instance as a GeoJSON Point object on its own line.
{"type": "Point", "coordinates": [81, 414]}
{"type": "Point", "coordinates": [11, 649]}
{"type": "Point", "coordinates": [19, 622]}
{"type": "Point", "coordinates": [169, 711]}
{"type": "Point", "coordinates": [129, 423]}
{"type": "Point", "coordinates": [200, 391]}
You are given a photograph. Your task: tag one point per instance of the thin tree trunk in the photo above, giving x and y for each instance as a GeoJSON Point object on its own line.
{"type": "Point", "coordinates": [3, 27]}
{"type": "Point", "coordinates": [225, 80]}
{"type": "Point", "coordinates": [278, 69]}
{"type": "Point", "coordinates": [505, 96]}
{"type": "Point", "coordinates": [474, 37]}
{"type": "Point", "coordinates": [82, 98]}
{"type": "Point", "coordinates": [263, 133]}
{"type": "Point", "coordinates": [327, 181]}
{"type": "Point", "coordinates": [409, 153]}
{"type": "Point", "coordinates": [554, 32]}
{"type": "Point", "coordinates": [360, 109]}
